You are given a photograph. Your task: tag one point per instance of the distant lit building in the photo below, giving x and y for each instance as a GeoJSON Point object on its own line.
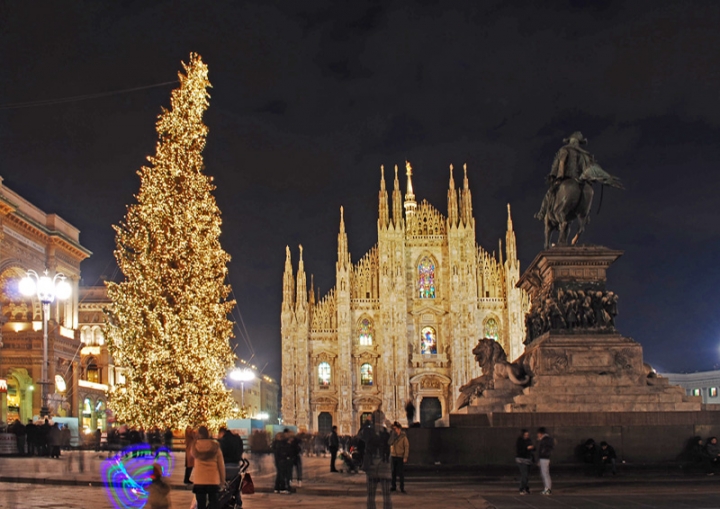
{"type": "Point", "coordinates": [261, 394]}
{"type": "Point", "coordinates": [702, 383]}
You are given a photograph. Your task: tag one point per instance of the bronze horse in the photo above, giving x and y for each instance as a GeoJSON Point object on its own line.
{"type": "Point", "coordinates": [572, 200]}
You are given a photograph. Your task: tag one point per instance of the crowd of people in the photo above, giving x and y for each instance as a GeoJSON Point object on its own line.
{"type": "Point", "coordinates": [40, 439]}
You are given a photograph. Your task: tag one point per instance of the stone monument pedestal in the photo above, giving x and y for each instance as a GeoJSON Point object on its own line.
{"type": "Point", "coordinates": [576, 359]}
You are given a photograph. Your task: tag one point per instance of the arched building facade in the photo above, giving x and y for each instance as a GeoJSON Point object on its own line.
{"type": "Point", "coordinates": [401, 322]}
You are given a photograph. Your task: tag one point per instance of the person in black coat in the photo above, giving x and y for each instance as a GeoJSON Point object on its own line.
{"type": "Point", "coordinates": [333, 446]}
{"type": "Point", "coordinates": [608, 457]}
{"type": "Point", "coordinates": [282, 453]}
{"type": "Point", "coordinates": [524, 458]}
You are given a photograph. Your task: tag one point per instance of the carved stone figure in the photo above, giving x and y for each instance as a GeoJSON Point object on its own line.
{"type": "Point", "coordinates": [570, 192]}
{"type": "Point", "coordinates": [491, 357]}
{"type": "Point", "coordinates": [570, 310]}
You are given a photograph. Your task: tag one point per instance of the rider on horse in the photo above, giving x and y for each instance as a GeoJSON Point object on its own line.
{"type": "Point", "coordinates": [570, 163]}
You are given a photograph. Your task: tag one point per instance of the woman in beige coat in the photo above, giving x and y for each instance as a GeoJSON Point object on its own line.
{"type": "Point", "coordinates": [209, 470]}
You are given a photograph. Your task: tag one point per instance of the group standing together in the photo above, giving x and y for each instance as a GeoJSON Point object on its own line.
{"type": "Point", "coordinates": [525, 454]}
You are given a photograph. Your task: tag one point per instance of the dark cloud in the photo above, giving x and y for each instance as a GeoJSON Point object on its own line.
{"type": "Point", "coordinates": [309, 98]}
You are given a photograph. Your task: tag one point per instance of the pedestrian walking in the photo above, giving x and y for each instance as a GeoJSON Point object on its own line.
{"type": "Point", "coordinates": [524, 458]}
{"type": "Point", "coordinates": [281, 452]}
{"type": "Point", "coordinates": [31, 432]}
{"type": "Point", "coordinates": [208, 470]}
{"type": "Point", "coordinates": [296, 459]}
{"type": "Point", "coordinates": [333, 446]}
{"type": "Point", "coordinates": [232, 449]}
{"type": "Point", "coordinates": [410, 412]}
{"type": "Point", "coordinates": [168, 438]}
{"type": "Point", "coordinates": [158, 490]}
{"type": "Point", "coordinates": [376, 470]}
{"type": "Point", "coordinates": [378, 417]}
{"type": "Point", "coordinates": [545, 447]}
{"type": "Point", "coordinates": [189, 461]}
{"type": "Point", "coordinates": [399, 452]}
{"type": "Point", "coordinates": [54, 439]}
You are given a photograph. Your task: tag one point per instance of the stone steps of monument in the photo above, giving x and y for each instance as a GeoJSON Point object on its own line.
{"type": "Point", "coordinates": [621, 389]}
{"type": "Point", "coordinates": [594, 379]}
{"type": "Point", "coordinates": [600, 398]}
{"type": "Point", "coordinates": [572, 407]}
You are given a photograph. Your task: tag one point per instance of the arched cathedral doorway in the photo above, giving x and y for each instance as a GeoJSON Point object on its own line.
{"type": "Point", "coordinates": [430, 411]}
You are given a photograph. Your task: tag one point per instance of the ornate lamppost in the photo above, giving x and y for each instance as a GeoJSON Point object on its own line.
{"type": "Point", "coordinates": [242, 375]}
{"type": "Point", "coordinates": [46, 289]}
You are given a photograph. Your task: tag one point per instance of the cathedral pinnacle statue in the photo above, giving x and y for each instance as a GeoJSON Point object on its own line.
{"type": "Point", "coordinates": [570, 191]}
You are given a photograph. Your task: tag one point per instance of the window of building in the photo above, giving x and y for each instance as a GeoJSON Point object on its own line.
{"type": "Point", "coordinates": [713, 392]}
{"type": "Point", "coordinates": [366, 374]}
{"type": "Point", "coordinates": [426, 278]}
{"type": "Point", "coordinates": [428, 342]}
{"type": "Point", "coordinates": [365, 332]}
{"type": "Point", "coordinates": [92, 373]}
{"type": "Point", "coordinates": [324, 374]}
{"type": "Point", "coordinates": [86, 335]}
{"type": "Point", "coordinates": [98, 336]}
{"type": "Point", "coordinates": [492, 329]}
{"type": "Point", "coordinates": [696, 392]}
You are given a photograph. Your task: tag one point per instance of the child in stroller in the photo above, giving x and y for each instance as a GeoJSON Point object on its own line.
{"type": "Point", "coordinates": [230, 496]}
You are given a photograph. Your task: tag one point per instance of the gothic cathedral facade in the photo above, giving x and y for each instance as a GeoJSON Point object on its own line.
{"type": "Point", "coordinates": [400, 324]}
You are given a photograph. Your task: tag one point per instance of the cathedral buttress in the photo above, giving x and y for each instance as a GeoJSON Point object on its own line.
{"type": "Point", "coordinates": [302, 318]}
{"type": "Point", "coordinates": [288, 338]}
{"type": "Point", "coordinates": [383, 211]}
{"type": "Point", "coordinates": [466, 200]}
{"type": "Point", "coordinates": [397, 204]}
{"type": "Point", "coordinates": [343, 269]}
{"type": "Point", "coordinates": [462, 257]}
{"type": "Point", "coordinates": [516, 299]}
{"type": "Point", "coordinates": [452, 201]}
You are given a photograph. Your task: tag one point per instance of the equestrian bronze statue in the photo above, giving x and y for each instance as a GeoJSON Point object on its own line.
{"type": "Point", "coordinates": [570, 191]}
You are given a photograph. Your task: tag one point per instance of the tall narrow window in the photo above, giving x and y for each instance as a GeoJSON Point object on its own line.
{"type": "Point", "coordinates": [426, 278]}
{"type": "Point", "coordinates": [365, 332]}
{"type": "Point", "coordinates": [428, 342]}
{"type": "Point", "coordinates": [492, 329]}
{"type": "Point", "coordinates": [366, 374]}
{"type": "Point", "coordinates": [324, 374]}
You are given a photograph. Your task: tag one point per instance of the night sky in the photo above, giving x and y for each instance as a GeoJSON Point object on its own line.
{"type": "Point", "coordinates": [309, 98]}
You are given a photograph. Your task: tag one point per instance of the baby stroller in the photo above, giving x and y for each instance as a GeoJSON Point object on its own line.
{"type": "Point", "coordinates": [230, 496]}
{"type": "Point", "coordinates": [352, 460]}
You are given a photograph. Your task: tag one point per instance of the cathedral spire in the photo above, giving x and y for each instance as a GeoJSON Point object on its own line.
{"type": "Point", "coordinates": [465, 200]}
{"type": "Point", "coordinates": [301, 299]}
{"type": "Point", "coordinates": [288, 283]}
{"type": "Point", "coordinates": [452, 201]}
{"type": "Point", "coordinates": [510, 245]}
{"type": "Point", "coordinates": [410, 203]}
{"type": "Point", "coordinates": [383, 212]}
{"type": "Point", "coordinates": [397, 201]}
{"type": "Point", "coordinates": [311, 292]}
{"type": "Point", "coordinates": [343, 254]}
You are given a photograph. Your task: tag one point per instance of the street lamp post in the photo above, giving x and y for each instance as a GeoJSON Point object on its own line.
{"type": "Point", "coordinates": [242, 375]}
{"type": "Point", "coordinates": [46, 289]}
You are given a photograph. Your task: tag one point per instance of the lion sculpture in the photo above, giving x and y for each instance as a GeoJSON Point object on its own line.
{"type": "Point", "coordinates": [491, 357]}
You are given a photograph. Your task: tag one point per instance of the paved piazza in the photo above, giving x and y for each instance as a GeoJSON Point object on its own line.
{"type": "Point", "coordinates": [60, 484]}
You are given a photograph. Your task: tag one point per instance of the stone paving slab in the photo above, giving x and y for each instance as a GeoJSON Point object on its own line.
{"type": "Point", "coordinates": [58, 484]}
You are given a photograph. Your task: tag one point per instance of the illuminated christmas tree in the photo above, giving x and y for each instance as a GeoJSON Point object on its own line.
{"type": "Point", "coordinates": [168, 327]}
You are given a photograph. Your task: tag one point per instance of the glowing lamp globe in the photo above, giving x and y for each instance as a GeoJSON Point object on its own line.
{"type": "Point", "coordinates": [242, 375]}
{"type": "Point", "coordinates": [63, 289]}
{"type": "Point", "coordinates": [27, 286]}
{"type": "Point", "coordinates": [45, 289]}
